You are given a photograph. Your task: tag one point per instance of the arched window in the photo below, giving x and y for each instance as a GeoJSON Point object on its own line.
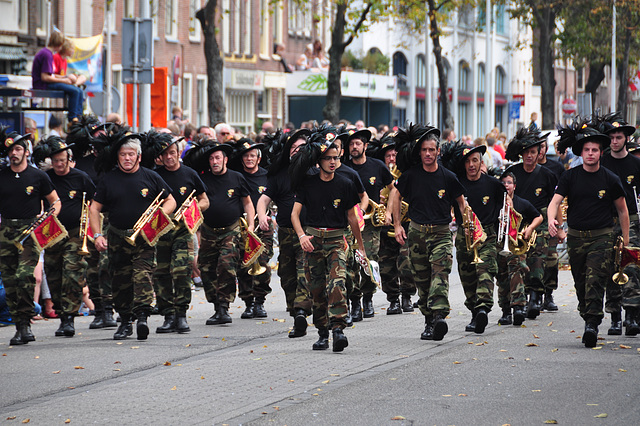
{"type": "Point", "coordinates": [400, 67]}
{"type": "Point", "coordinates": [421, 72]}
{"type": "Point", "coordinates": [500, 77]}
{"type": "Point", "coordinates": [480, 77]}
{"type": "Point", "coordinates": [463, 77]}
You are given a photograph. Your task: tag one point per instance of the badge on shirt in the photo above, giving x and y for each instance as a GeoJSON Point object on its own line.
{"type": "Point", "coordinates": [28, 190]}
{"type": "Point", "coordinates": [485, 200]}
{"type": "Point", "coordinates": [336, 203]}
{"type": "Point", "coordinates": [144, 192]}
{"type": "Point", "coordinates": [230, 193]}
{"type": "Point", "coordinates": [261, 189]}
{"type": "Point", "coordinates": [72, 194]}
{"type": "Point", "coordinates": [630, 179]}
{"type": "Point", "coordinates": [372, 180]}
{"type": "Point", "coordinates": [602, 193]}
{"type": "Point", "coordinates": [441, 193]}
{"type": "Point", "coordinates": [538, 191]}
{"type": "Point", "coordinates": [183, 190]}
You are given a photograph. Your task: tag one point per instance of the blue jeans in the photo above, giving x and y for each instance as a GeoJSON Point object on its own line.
{"type": "Point", "coordinates": [75, 95]}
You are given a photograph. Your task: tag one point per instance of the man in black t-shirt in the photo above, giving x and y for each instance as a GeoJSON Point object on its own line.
{"type": "Point", "coordinates": [253, 289]}
{"type": "Point", "coordinates": [64, 266]}
{"type": "Point", "coordinates": [221, 240]}
{"type": "Point", "coordinates": [627, 168]}
{"type": "Point", "coordinates": [592, 193]}
{"type": "Point", "coordinates": [329, 199]}
{"type": "Point", "coordinates": [127, 192]}
{"type": "Point", "coordinates": [430, 190]}
{"type": "Point", "coordinates": [22, 189]}
{"type": "Point", "coordinates": [375, 176]}
{"type": "Point", "coordinates": [174, 250]}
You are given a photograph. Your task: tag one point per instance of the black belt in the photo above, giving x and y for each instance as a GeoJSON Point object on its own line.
{"type": "Point", "coordinates": [325, 233]}
{"type": "Point", "coordinates": [589, 233]}
{"type": "Point", "coordinates": [231, 227]}
{"type": "Point", "coordinates": [428, 228]}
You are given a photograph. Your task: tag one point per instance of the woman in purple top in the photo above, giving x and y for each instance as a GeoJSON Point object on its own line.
{"type": "Point", "coordinates": [45, 79]}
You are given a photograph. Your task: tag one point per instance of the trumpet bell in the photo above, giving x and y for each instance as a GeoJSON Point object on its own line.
{"type": "Point", "coordinates": [257, 269]}
{"type": "Point", "coordinates": [620, 278]}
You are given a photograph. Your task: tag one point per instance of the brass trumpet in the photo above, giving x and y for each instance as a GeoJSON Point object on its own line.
{"type": "Point", "coordinates": [469, 223]}
{"type": "Point", "coordinates": [32, 227]}
{"type": "Point", "coordinates": [179, 214]}
{"type": "Point", "coordinates": [619, 277]}
{"type": "Point", "coordinates": [84, 226]}
{"type": "Point", "coordinates": [145, 218]}
{"type": "Point", "coordinates": [256, 267]}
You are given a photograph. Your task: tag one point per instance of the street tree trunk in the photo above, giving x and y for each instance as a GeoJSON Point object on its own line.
{"type": "Point", "coordinates": [545, 17]}
{"type": "Point", "coordinates": [596, 75]}
{"type": "Point", "coordinates": [623, 90]}
{"type": "Point", "coordinates": [442, 72]}
{"type": "Point", "coordinates": [215, 63]}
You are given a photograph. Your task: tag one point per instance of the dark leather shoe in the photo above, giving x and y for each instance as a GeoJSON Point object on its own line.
{"type": "Point", "coordinates": [299, 324]}
{"type": "Point", "coordinates": [394, 308]}
{"type": "Point", "coordinates": [471, 327]}
{"type": "Point", "coordinates": [142, 328]}
{"type": "Point", "coordinates": [440, 327]}
{"type": "Point", "coordinates": [549, 304]}
{"type": "Point", "coordinates": [98, 321]}
{"type": "Point", "coordinates": [631, 327]}
{"type": "Point", "coordinates": [107, 318]}
{"type": "Point", "coordinates": [533, 308]}
{"type": "Point", "coordinates": [367, 307]}
{"type": "Point", "coordinates": [590, 335]}
{"type": "Point", "coordinates": [407, 306]}
{"type": "Point", "coordinates": [323, 340]}
{"type": "Point", "coordinates": [616, 324]}
{"type": "Point", "coordinates": [518, 315]}
{"type": "Point", "coordinates": [506, 318]}
{"type": "Point", "coordinates": [221, 317]}
{"type": "Point", "coordinates": [68, 327]}
{"type": "Point", "coordinates": [427, 334]}
{"type": "Point", "coordinates": [481, 321]}
{"type": "Point", "coordinates": [27, 334]}
{"type": "Point", "coordinates": [258, 310]}
{"type": "Point", "coordinates": [356, 310]}
{"type": "Point", "coordinates": [124, 330]}
{"type": "Point", "coordinates": [169, 325]}
{"type": "Point", "coordinates": [339, 340]}
{"type": "Point", "coordinates": [60, 331]}
{"type": "Point", "coordinates": [17, 338]}
{"type": "Point", "coordinates": [248, 312]}
{"type": "Point", "coordinates": [181, 324]}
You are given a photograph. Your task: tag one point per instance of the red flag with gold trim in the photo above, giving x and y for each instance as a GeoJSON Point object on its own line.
{"type": "Point", "coordinates": [192, 216]}
{"type": "Point", "coordinates": [253, 248]}
{"type": "Point", "coordinates": [360, 216]}
{"type": "Point", "coordinates": [630, 255]}
{"type": "Point", "coordinates": [479, 236]}
{"type": "Point", "coordinates": [48, 233]}
{"type": "Point", "coordinates": [155, 228]}
{"type": "Point", "coordinates": [515, 219]}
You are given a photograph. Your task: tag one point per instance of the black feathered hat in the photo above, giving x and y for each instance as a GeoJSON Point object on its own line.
{"type": "Point", "coordinates": [453, 154]}
{"type": "Point", "coordinates": [364, 135]}
{"type": "Point", "coordinates": [82, 133]}
{"type": "Point", "coordinates": [378, 148]}
{"type": "Point", "coordinates": [154, 144]}
{"type": "Point", "coordinates": [612, 122]}
{"type": "Point", "coordinates": [240, 147]}
{"type": "Point", "coordinates": [406, 140]}
{"type": "Point", "coordinates": [108, 144]}
{"type": "Point", "coordinates": [307, 157]}
{"type": "Point", "coordinates": [10, 139]}
{"type": "Point", "coordinates": [274, 151]}
{"type": "Point", "coordinates": [47, 148]}
{"type": "Point", "coordinates": [577, 134]}
{"type": "Point", "coordinates": [524, 139]}
{"type": "Point", "coordinates": [198, 156]}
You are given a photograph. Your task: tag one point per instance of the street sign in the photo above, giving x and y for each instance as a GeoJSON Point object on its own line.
{"type": "Point", "coordinates": [519, 98]}
{"type": "Point", "coordinates": [569, 106]}
{"type": "Point", "coordinates": [514, 110]}
{"type": "Point", "coordinates": [137, 51]}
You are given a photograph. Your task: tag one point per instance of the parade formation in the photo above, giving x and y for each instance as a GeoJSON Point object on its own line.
{"type": "Point", "coordinates": [135, 217]}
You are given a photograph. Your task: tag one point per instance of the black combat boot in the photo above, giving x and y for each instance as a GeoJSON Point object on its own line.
{"type": "Point", "coordinates": [549, 304]}
{"type": "Point", "coordinates": [17, 338]}
{"type": "Point", "coordinates": [339, 340]}
{"type": "Point", "coordinates": [407, 306]}
{"type": "Point", "coordinates": [98, 319]}
{"type": "Point", "coordinates": [60, 331]}
{"type": "Point", "coordinates": [107, 318]}
{"type": "Point", "coordinates": [533, 308]}
{"type": "Point", "coordinates": [394, 308]}
{"type": "Point", "coordinates": [299, 324]}
{"type": "Point", "coordinates": [631, 327]}
{"type": "Point", "coordinates": [169, 325]}
{"type": "Point", "coordinates": [427, 334]}
{"type": "Point", "coordinates": [356, 310]}
{"type": "Point", "coordinates": [213, 319]}
{"type": "Point", "coordinates": [482, 319]}
{"type": "Point", "coordinates": [68, 327]}
{"type": "Point", "coordinates": [616, 324]}
{"type": "Point", "coordinates": [590, 335]}
{"type": "Point", "coordinates": [221, 317]}
{"type": "Point", "coordinates": [142, 328]}
{"type": "Point", "coordinates": [518, 315]}
{"type": "Point", "coordinates": [440, 327]}
{"type": "Point", "coordinates": [323, 340]}
{"type": "Point", "coordinates": [471, 327]}
{"type": "Point", "coordinates": [249, 312]}
{"type": "Point", "coordinates": [367, 306]}
{"type": "Point", "coordinates": [125, 329]}
{"type": "Point", "coordinates": [27, 334]}
{"type": "Point", "coordinates": [181, 323]}
{"type": "Point", "coordinates": [348, 319]}
{"type": "Point", "coordinates": [258, 309]}
{"type": "Point", "coordinates": [506, 318]}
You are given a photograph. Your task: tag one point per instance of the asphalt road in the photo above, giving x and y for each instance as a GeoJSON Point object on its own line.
{"type": "Point", "coordinates": [249, 372]}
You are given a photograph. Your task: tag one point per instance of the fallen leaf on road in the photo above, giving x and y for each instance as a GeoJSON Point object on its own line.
{"type": "Point", "coordinates": [622, 370]}
{"type": "Point", "coordinates": [77, 367]}
{"type": "Point", "coordinates": [167, 363]}
{"type": "Point", "coordinates": [536, 390]}
{"type": "Point", "coordinates": [257, 359]}
{"type": "Point", "coordinates": [251, 351]}
{"type": "Point", "coordinates": [531, 344]}
{"type": "Point", "coordinates": [26, 420]}
{"type": "Point", "coordinates": [480, 344]}
{"type": "Point", "coordinates": [593, 405]}
{"type": "Point", "coordinates": [535, 336]}
{"type": "Point", "coordinates": [201, 377]}
{"type": "Point", "coordinates": [264, 346]}
{"type": "Point", "coordinates": [11, 418]}
{"type": "Point", "coordinates": [625, 347]}
{"type": "Point", "coordinates": [205, 337]}
{"type": "Point", "coordinates": [117, 362]}
{"type": "Point", "coordinates": [551, 422]}
{"type": "Point", "coordinates": [398, 418]}
{"type": "Point", "coordinates": [503, 350]}
{"type": "Point", "coordinates": [550, 324]}
{"type": "Point", "coordinates": [601, 416]}
{"type": "Point", "coordinates": [291, 381]}
{"type": "Point", "coordinates": [116, 369]}
{"type": "Point", "coordinates": [335, 375]}
{"type": "Point", "coordinates": [71, 387]}
{"type": "Point", "coordinates": [275, 407]}
{"type": "Point", "coordinates": [446, 396]}
{"type": "Point", "coordinates": [315, 394]}
{"type": "Point", "coordinates": [135, 347]}
{"type": "Point", "coordinates": [325, 382]}
{"type": "Point", "coordinates": [68, 421]}
{"type": "Point", "coordinates": [554, 350]}
{"type": "Point", "coordinates": [56, 372]}
{"type": "Point", "coordinates": [4, 354]}
{"type": "Point", "coordinates": [119, 343]}
{"type": "Point", "coordinates": [174, 388]}
{"type": "Point", "coordinates": [223, 339]}
{"type": "Point", "coordinates": [187, 345]}
{"type": "Point", "coordinates": [462, 394]}
{"type": "Point", "coordinates": [596, 348]}
{"type": "Point", "coordinates": [36, 357]}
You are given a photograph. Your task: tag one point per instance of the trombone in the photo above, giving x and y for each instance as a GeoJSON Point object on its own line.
{"type": "Point", "coordinates": [469, 223]}
{"type": "Point", "coordinates": [145, 218]}
{"type": "Point", "coordinates": [84, 226]}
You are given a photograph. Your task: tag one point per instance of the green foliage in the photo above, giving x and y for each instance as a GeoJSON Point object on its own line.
{"type": "Point", "coordinates": [350, 60]}
{"type": "Point", "coordinates": [373, 62]}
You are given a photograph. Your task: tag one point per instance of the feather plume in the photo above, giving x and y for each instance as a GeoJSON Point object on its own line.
{"type": "Point", "coordinates": [406, 141]}
{"type": "Point", "coordinates": [195, 157]}
{"type": "Point", "coordinates": [569, 134]}
{"type": "Point", "coordinates": [153, 143]}
{"type": "Point", "coordinates": [451, 154]}
{"type": "Point", "coordinates": [80, 134]}
{"type": "Point", "coordinates": [524, 138]}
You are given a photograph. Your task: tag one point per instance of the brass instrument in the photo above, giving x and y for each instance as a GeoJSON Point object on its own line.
{"type": "Point", "coordinates": [32, 227]}
{"type": "Point", "coordinates": [620, 277]}
{"type": "Point", "coordinates": [564, 206]}
{"type": "Point", "coordinates": [145, 218]}
{"type": "Point", "coordinates": [635, 197]}
{"type": "Point", "coordinates": [404, 206]}
{"type": "Point", "coordinates": [84, 226]}
{"type": "Point", "coordinates": [256, 267]}
{"type": "Point", "coordinates": [468, 223]}
{"type": "Point", "coordinates": [522, 246]}
{"type": "Point", "coordinates": [179, 214]}
{"type": "Point", "coordinates": [376, 213]}
{"type": "Point", "coordinates": [503, 226]}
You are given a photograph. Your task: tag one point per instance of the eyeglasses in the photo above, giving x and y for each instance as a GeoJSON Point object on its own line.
{"type": "Point", "coordinates": [224, 133]}
{"type": "Point", "coordinates": [330, 158]}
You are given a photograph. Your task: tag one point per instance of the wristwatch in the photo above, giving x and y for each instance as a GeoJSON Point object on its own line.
{"type": "Point", "coordinates": [96, 235]}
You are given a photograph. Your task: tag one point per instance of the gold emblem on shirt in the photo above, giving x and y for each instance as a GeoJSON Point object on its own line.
{"type": "Point", "coordinates": [602, 193]}
{"type": "Point", "coordinates": [485, 200]}
{"type": "Point", "coordinates": [183, 190]}
{"type": "Point", "coordinates": [261, 189]}
{"type": "Point", "coordinates": [441, 193]}
{"type": "Point", "coordinates": [372, 180]}
{"type": "Point", "coordinates": [28, 190]}
{"type": "Point", "coordinates": [230, 193]}
{"type": "Point", "coordinates": [630, 179]}
{"type": "Point", "coordinates": [144, 192]}
{"type": "Point", "coordinates": [72, 194]}
{"type": "Point", "coordinates": [336, 203]}
{"type": "Point", "coordinates": [538, 191]}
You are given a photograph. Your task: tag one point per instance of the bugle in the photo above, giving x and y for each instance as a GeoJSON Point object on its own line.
{"type": "Point", "coordinates": [468, 222]}
{"type": "Point", "coordinates": [620, 277]}
{"type": "Point", "coordinates": [253, 247]}
{"type": "Point", "coordinates": [145, 218]}
{"type": "Point", "coordinates": [503, 227]}
{"type": "Point", "coordinates": [84, 226]}
{"type": "Point", "coordinates": [32, 227]}
{"type": "Point", "coordinates": [179, 214]}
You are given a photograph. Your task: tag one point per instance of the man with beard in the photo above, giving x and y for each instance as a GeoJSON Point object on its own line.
{"type": "Point", "coordinates": [22, 189]}
{"type": "Point", "coordinates": [127, 192]}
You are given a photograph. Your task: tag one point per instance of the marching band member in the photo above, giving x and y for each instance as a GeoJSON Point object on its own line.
{"type": "Point", "coordinates": [592, 193]}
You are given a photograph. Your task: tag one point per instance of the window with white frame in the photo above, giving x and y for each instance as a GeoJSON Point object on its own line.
{"type": "Point", "coordinates": [463, 76]}
{"type": "Point", "coordinates": [86, 23]}
{"type": "Point", "coordinates": [240, 109]}
{"type": "Point", "coordinates": [421, 72]}
{"type": "Point", "coordinates": [500, 77]}
{"type": "Point", "coordinates": [171, 19]}
{"type": "Point", "coordinates": [280, 109]}
{"type": "Point", "coordinates": [41, 16]}
{"type": "Point", "coordinates": [480, 78]}
{"type": "Point", "coordinates": [69, 18]}
{"type": "Point", "coordinates": [201, 117]}
{"type": "Point", "coordinates": [225, 27]}
{"type": "Point", "coordinates": [246, 39]}
{"type": "Point", "coordinates": [300, 19]}
{"type": "Point", "coordinates": [277, 21]}
{"type": "Point", "coordinates": [263, 103]}
{"type": "Point", "coordinates": [154, 5]}
{"type": "Point", "coordinates": [194, 24]}
{"type": "Point", "coordinates": [187, 95]}
{"type": "Point", "coordinates": [265, 36]}
{"type": "Point", "coordinates": [116, 81]}
{"type": "Point", "coordinates": [129, 9]}
{"type": "Point", "coordinates": [112, 16]}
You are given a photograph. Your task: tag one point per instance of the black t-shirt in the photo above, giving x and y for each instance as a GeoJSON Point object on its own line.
{"type": "Point", "coordinates": [554, 167]}
{"type": "Point", "coordinates": [430, 194]}
{"type": "Point", "coordinates": [327, 203]}
{"type": "Point", "coordinates": [257, 183]}
{"type": "Point", "coordinates": [128, 195]}
{"type": "Point", "coordinates": [590, 197]}
{"type": "Point", "coordinates": [628, 170]}
{"type": "Point", "coordinates": [225, 194]}
{"type": "Point", "coordinates": [526, 209]}
{"type": "Point", "coordinates": [86, 164]}
{"type": "Point", "coordinates": [374, 175]}
{"type": "Point", "coordinates": [20, 197]}
{"type": "Point", "coordinates": [279, 190]}
{"type": "Point", "coordinates": [536, 187]}
{"type": "Point", "coordinates": [70, 188]}
{"type": "Point", "coordinates": [352, 175]}
{"type": "Point", "coordinates": [485, 196]}
{"type": "Point", "coordinates": [182, 182]}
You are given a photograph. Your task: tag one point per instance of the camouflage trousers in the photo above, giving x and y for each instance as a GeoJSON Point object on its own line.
{"type": "Point", "coordinates": [257, 287]}
{"type": "Point", "coordinates": [353, 268]}
{"type": "Point", "coordinates": [219, 259]}
{"type": "Point", "coordinates": [536, 256]}
{"type": "Point", "coordinates": [477, 279]}
{"type": "Point", "coordinates": [98, 277]}
{"type": "Point", "coordinates": [17, 268]}
{"type": "Point", "coordinates": [174, 255]}
{"type": "Point", "coordinates": [430, 254]}
{"type": "Point", "coordinates": [550, 276]}
{"type": "Point", "coordinates": [325, 269]}
{"type": "Point", "coordinates": [65, 270]}
{"type": "Point", "coordinates": [131, 269]}
{"type": "Point", "coordinates": [362, 283]}
{"type": "Point", "coordinates": [396, 271]}
{"type": "Point", "coordinates": [291, 270]}
{"type": "Point", "coordinates": [591, 260]}
{"type": "Point", "coordinates": [511, 270]}
{"type": "Point", "coordinates": [627, 295]}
